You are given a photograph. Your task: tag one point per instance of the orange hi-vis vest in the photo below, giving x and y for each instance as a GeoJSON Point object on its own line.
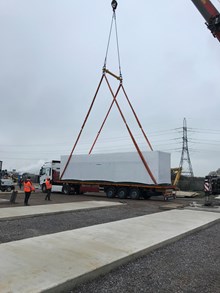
{"type": "Point", "coordinates": [48, 184]}
{"type": "Point", "coordinates": [27, 186]}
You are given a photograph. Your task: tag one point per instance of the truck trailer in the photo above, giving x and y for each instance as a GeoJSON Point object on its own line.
{"type": "Point", "coordinates": [121, 175]}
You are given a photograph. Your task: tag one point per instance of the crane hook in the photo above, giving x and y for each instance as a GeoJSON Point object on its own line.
{"type": "Point", "coordinates": [114, 5]}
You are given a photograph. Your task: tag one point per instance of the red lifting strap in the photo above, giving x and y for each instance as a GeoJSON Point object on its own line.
{"type": "Point", "coordinates": [124, 120]}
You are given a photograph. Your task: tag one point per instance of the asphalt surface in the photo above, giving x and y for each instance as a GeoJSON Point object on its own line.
{"type": "Point", "coordinates": [191, 264]}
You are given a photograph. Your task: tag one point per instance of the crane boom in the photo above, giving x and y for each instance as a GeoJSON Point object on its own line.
{"type": "Point", "coordinates": [211, 15]}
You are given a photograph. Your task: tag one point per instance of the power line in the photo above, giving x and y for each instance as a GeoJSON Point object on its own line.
{"type": "Point", "coordinates": [160, 139]}
{"type": "Point", "coordinates": [205, 131]}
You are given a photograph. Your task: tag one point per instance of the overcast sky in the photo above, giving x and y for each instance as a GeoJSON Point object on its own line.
{"type": "Point", "coordinates": [52, 53]}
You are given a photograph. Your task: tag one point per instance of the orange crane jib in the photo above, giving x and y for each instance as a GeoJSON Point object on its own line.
{"type": "Point", "coordinates": [211, 15]}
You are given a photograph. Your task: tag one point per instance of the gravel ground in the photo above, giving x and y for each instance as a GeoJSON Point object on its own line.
{"type": "Point", "coordinates": [17, 229]}
{"type": "Point", "coordinates": [21, 228]}
{"type": "Point", "coordinates": [191, 264]}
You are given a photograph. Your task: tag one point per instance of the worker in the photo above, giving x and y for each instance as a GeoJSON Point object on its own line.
{"type": "Point", "coordinates": [48, 188]}
{"type": "Point", "coordinates": [28, 188]}
{"type": "Point", "coordinates": [20, 182]}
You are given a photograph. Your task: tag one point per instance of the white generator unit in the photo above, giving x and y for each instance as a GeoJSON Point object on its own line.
{"type": "Point", "coordinates": [118, 167]}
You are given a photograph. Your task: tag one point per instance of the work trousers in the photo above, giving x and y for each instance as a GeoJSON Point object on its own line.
{"type": "Point", "coordinates": [48, 194]}
{"type": "Point", "coordinates": [27, 196]}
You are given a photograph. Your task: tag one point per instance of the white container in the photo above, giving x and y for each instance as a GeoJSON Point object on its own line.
{"type": "Point", "coordinates": [118, 167]}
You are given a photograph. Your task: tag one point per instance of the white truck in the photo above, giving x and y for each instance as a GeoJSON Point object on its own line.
{"type": "Point", "coordinates": [118, 174]}
{"type": "Point", "coordinates": [6, 184]}
{"type": "Point", "coordinates": [51, 170]}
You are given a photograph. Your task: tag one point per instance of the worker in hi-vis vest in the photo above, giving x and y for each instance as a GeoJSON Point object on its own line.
{"type": "Point", "coordinates": [28, 188]}
{"type": "Point", "coordinates": [48, 188]}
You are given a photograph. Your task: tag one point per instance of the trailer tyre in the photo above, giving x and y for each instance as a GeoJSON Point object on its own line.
{"type": "Point", "coordinates": [146, 196]}
{"type": "Point", "coordinates": [122, 193]}
{"type": "Point", "coordinates": [110, 192]}
{"type": "Point", "coordinates": [66, 189]}
{"type": "Point", "coordinates": [134, 193]}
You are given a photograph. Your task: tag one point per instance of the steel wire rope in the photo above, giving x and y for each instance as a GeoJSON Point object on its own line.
{"type": "Point", "coordinates": [117, 42]}
{"type": "Point", "coordinates": [116, 31]}
{"type": "Point", "coordinates": [109, 38]}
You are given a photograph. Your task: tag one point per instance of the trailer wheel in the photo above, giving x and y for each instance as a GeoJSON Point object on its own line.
{"type": "Point", "coordinates": [122, 192]}
{"type": "Point", "coordinates": [77, 189]}
{"type": "Point", "coordinates": [66, 189]}
{"type": "Point", "coordinates": [134, 193]}
{"type": "Point", "coordinates": [110, 192]}
{"type": "Point", "coordinates": [146, 196]}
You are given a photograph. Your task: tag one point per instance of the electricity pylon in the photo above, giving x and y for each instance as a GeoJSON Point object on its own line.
{"type": "Point", "coordinates": [185, 153]}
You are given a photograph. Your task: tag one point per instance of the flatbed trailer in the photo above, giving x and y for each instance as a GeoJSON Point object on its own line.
{"type": "Point", "coordinates": [121, 190]}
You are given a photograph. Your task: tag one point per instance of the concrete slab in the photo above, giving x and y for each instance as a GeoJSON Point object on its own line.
{"type": "Point", "coordinates": [180, 193]}
{"type": "Point", "coordinates": [200, 207]}
{"type": "Point", "coordinates": [170, 206]}
{"type": "Point", "coordinates": [28, 211]}
{"type": "Point", "coordinates": [4, 200]}
{"type": "Point", "coordinates": [60, 261]}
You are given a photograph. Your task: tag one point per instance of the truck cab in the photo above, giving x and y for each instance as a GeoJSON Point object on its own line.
{"type": "Point", "coordinates": [50, 170]}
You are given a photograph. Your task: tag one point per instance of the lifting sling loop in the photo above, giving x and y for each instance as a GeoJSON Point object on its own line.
{"type": "Point", "coordinates": [114, 101]}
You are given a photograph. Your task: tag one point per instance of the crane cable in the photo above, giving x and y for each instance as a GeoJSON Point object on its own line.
{"type": "Point", "coordinates": [114, 6]}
